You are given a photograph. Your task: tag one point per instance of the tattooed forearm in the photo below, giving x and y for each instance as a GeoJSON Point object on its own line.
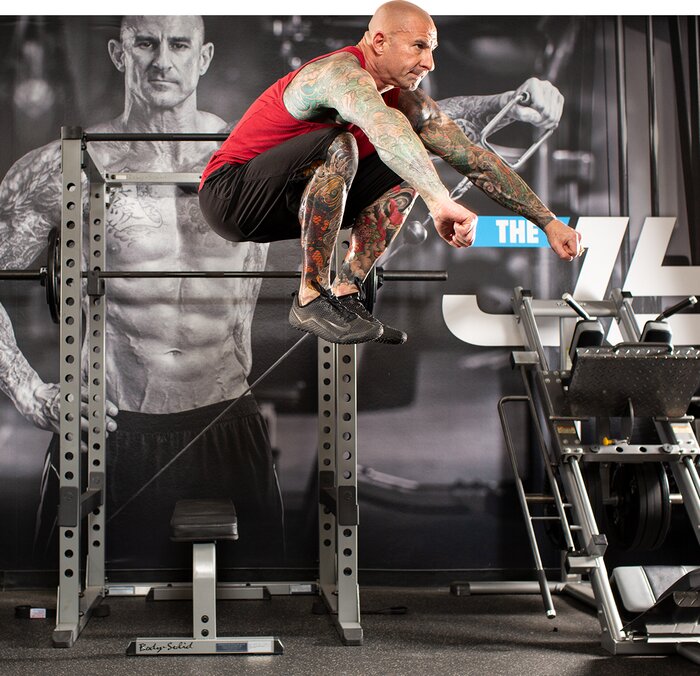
{"type": "Point", "coordinates": [17, 377]}
{"type": "Point", "coordinates": [472, 113]}
{"type": "Point", "coordinates": [489, 173]}
{"type": "Point", "coordinates": [37, 401]}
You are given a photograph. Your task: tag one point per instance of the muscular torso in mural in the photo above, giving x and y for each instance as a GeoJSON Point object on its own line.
{"type": "Point", "coordinates": [172, 344]}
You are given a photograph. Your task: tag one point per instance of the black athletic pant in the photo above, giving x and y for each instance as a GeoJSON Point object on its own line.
{"type": "Point", "coordinates": [259, 201]}
{"type": "Point", "coordinates": [232, 460]}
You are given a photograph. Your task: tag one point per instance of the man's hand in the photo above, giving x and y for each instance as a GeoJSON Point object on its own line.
{"type": "Point", "coordinates": [455, 224]}
{"type": "Point", "coordinates": [41, 406]}
{"type": "Point", "coordinates": [545, 107]}
{"type": "Point", "coordinates": [43, 410]}
{"type": "Point", "coordinates": [565, 241]}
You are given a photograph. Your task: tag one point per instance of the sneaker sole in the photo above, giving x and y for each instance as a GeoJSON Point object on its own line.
{"type": "Point", "coordinates": [363, 313]}
{"type": "Point", "coordinates": [385, 340]}
{"type": "Point", "coordinates": [321, 332]}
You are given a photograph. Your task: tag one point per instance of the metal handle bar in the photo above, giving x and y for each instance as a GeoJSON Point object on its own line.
{"type": "Point", "coordinates": [523, 99]}
{"type": "Point", "coordinates": [569, 300]}
{"type": "Point", "coordinates": [522, 497]}
{"type": "Point", "coordinates": [685, 303]}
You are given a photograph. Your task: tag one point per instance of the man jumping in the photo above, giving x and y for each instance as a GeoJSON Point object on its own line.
{"type": "Point", "coordinates": [343, 140]}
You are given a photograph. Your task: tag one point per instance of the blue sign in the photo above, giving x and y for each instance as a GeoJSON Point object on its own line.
{"type": "Point", "coordinates": [510, 231]}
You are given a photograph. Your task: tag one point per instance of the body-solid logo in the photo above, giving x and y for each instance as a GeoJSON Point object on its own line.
{"type": "Point", "coordinates": [602, 236]}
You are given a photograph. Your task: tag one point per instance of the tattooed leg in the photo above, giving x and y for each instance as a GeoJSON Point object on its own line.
{"type": "Point", "coordinates": [321, 213]}
{"type": "Point", "coordinates": [374, 229]}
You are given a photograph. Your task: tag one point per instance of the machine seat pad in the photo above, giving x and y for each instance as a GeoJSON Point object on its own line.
{"type": "Point", "coordinates": [641, 586]}
{"type": "Point", "coordinates": [204, 521]}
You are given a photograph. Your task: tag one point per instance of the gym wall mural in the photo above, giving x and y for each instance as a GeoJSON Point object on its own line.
{"type": "Point", "coordinates": [435, 487]}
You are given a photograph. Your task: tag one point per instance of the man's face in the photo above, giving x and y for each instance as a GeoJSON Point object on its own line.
{"type": "Point", "coordinates": [162, 58]}
{"type": "Point", "coordinates": [408, 53]}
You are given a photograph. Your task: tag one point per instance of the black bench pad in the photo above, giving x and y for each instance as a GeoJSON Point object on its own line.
{"type": "Point", "coordinates": [640, 587]}
{"type": "Point", "coordinates": [204, 521]}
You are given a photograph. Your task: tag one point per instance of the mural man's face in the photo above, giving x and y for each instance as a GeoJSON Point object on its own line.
{"type": "Point", "coordinates": [162, 58]}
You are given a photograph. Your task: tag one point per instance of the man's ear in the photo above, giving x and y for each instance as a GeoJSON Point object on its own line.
{"type": "Point", "coordinates": [379, 42]}
{"type": "Point", "coordinates": [116, 53]}
{"type": "Point", "coordinates": [206, 54]}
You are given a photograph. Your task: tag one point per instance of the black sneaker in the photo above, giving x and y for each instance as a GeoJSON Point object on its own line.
{"type": "Point", "coordinates": [353, 302]}
{"type": "Point", "coordinates": [327, 318]}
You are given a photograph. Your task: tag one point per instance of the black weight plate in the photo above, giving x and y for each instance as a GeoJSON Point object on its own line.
{"type": "Point", "coordinates": [641, 517]}
{"type": "Point", "coordinates": [53, 275]}
{"type": "Point", "coordinates": [658, 517]}
{"type": "Point", "coordinates": [594, 474]}
{"type": "Point", "coordinates": [623, 517]}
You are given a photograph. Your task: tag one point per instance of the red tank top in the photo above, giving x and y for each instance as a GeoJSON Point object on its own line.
{"type": "Point", "coordinates": [267, 123]}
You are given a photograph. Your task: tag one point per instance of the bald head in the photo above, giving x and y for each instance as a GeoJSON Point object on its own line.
{"type": "Point", "coordinates": [131, 24]}
{"type": "Point", "coordinates": [397, 16]}
{"type": "Point", "coordinates": [398, 45]}
{"type": "Point", "coordinates": [162, 58]}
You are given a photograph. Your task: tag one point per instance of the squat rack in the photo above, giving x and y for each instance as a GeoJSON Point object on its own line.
{"type": "Point", "coordinates": [81, 510]}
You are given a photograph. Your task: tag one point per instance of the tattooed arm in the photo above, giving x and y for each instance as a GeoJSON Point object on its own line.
{"type": "Point", "coordinates": [337, 88]}
{"type": "Point", "coordinates": [473, 113]}
{"type": "Point", "coordinates": [486, 171]}
{"type": "Point", "coordinates": [29, 207]}
{"type": "Point", "coordinates": [36, 400]}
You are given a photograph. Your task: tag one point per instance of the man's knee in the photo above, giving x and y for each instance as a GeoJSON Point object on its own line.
{"type": "Point", "coordinates": [408, 190]}
{"type": "Point", "coordinates": [343, 157]}
{"type": "Point", "coordinates": [397, 202]}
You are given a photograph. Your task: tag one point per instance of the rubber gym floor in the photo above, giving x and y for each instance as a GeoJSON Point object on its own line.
{"type": "Point", "coordinates": [438, 634]}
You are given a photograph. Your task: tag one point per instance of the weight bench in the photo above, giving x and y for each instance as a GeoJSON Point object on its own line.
{"type": "Point", "coordinates": [203, 522]}
{"type": "Point", "coordinates": [661, 602]}
{"type": "Point", "coordinates": [641, 587]}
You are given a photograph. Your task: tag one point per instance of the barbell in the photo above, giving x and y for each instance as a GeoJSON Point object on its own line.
{"type": "Point", "coordinates": [50, 275]}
